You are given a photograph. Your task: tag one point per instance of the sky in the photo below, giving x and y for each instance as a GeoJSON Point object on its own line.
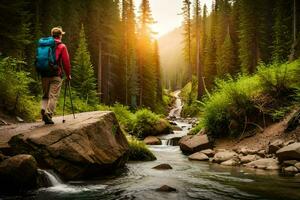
{"type": "Point", "coordinates": [166, 13]}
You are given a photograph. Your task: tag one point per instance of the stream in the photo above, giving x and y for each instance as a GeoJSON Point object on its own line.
{"type": "Point", "coordinates": [192, 179]}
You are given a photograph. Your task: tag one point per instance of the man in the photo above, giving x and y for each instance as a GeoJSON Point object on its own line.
{"type": "Point", "coordinates": [51, 83]}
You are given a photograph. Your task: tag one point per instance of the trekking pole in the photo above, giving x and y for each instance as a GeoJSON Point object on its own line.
{"type": "Point", "coordinates": [63, 121]}
{"type": "Point", "coordinates": [71, 98]}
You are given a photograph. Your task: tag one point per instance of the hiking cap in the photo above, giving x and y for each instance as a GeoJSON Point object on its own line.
{"type": "Point", "coordinates": [57, 31]}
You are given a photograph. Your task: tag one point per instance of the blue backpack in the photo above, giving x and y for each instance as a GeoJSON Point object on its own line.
{"type": "Point", "coordinates": [46, 63]}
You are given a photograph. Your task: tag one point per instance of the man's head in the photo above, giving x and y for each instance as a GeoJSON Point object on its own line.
{"type": "Point", "coordinates": [57, 32]}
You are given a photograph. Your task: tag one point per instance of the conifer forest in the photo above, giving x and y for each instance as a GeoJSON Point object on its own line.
{"type": "Point", "coordinates": [150, 99]}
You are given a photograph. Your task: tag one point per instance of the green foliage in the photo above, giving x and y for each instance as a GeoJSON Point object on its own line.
{"type": "Point", "coordinates": [243, 104]}
{"type": "Point", "coordinates": [83, 72]}
{"type": "Point", "coordinates": [124, 116]}
{"type": "Point", "coordinates": [14, 94]}
{"type": "Point", "coordinates": [138, 150]}
{"type": "Point", "coordinates": [191, 106]}
{"type": "Point", "coordinates": [143, 123]}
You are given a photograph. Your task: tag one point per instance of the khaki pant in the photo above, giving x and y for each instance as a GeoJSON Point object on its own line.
{"type": "Point", "coordinates": [51, 90]}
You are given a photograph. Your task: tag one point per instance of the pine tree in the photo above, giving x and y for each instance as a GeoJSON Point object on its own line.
{"type": "Point", "coordinates": [210, 70]}
{"type": "Point", "coordinates": [84, 80]}
{"type": "Point", "coordinates": [187, 25]}
{"type": "Point", "coordinates": [254, 33]}
{"type": "Point", "coordinates": [282, 39]}
{"type": "Point", "coordinates": [248, 45]}
{"type": "Point", "coordinates": [158, 86]}
{"type": "Point", "coordinates": [132, 58]}
{"type": "Point", "coordinates": [226, 59]}
{"type": "Point", "coordinates": [199, 66]}
{"type": "Point", "coordinates": [145, 61]}
{"type": "Point", "coordinates": [222, 29]}
{"type": "Point", "coordinates": [14, 28]}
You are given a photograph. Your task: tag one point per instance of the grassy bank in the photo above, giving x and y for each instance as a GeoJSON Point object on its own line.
{"type": "Point", "coordinates": [251, 102]}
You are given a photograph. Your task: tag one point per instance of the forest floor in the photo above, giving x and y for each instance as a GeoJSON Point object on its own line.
{"type": "Point", "coordinates": [262, 138]}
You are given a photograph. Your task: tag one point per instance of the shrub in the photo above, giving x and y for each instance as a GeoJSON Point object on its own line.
{"type": "Point", "coordinates": [138, 151]}
{"type": "Point", "coordinates": [144, 122]}
{"type": "Point", "coordinates": [124, 116]}
{"type": "Point", "coordinates": [248, 102]}
{"type": "Point", "coordinates": [15, 96]}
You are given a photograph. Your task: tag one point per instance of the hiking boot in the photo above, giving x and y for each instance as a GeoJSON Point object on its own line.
{"type": "Point", "coordinates": [46, 117]}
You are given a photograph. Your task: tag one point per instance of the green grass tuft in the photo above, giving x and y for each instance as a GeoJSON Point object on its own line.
{"type": "Point", "coordinates": [138, 150]}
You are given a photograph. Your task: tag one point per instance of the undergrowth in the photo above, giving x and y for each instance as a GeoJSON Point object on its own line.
{"type": "Point", "coordinates": [249, 102]}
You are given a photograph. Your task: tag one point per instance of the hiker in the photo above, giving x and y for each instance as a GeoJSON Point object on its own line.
{"type": "Point", "coordinates": [53, 71]}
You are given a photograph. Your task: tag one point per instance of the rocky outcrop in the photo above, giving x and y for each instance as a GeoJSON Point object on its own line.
{"type": "Point", "coordinates": [90, 145]}
{"type": "Point", "coordinates": [198, 156]}
{"type": "Point", "coordinates": [193, 143]}
{"type": "Point", "coordinates": [265, 163]}
{"type": "Point", "coordinates": [18, 174]}
{"type": "Point", "coordinates": [152, 140]}
{"type": "Point", "coordinates": [290, 152]}
{"type": "Point", "coordinates": [224, 156]}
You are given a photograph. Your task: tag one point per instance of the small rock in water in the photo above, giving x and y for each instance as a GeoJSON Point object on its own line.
{"type": "Point", "coordinates": [265, 163]}
{"type": "Point", "coordinates": [291, 170]}
{"type": "Point", "coordinates": [152, 140]}
{"type": "Point", "coordinates": [208, 152]}
{"type": "Point", "coordinates": [224, 156]}
{"type": "Point", "coordinates": [198, 156]}
{"type": "Point", "coordinates": [298, 165]}
{"type": "Point", "coordinates": [163, 167]}
{"type": "Point", "coordinates": [173, 123]}
{"type": "Point", "coordinates": [288, 163]}
{"type": "Point", "coordinates": [166, 188]}
{"type": "Point", "coordinates": [249, 158]}
{"type": "Point", "coordinates": [231, 162]}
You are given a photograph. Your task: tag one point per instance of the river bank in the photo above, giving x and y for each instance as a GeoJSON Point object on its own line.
{"type": "Point", "coordinates": [190, 179]}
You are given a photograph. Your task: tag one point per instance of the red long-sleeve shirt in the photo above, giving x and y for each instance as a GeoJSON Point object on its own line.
{"type": "Point", "coordinates": [62, 53]}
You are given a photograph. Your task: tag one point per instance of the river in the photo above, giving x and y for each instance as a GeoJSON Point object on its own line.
{"type": "Point", "coordinates": [192, 180]}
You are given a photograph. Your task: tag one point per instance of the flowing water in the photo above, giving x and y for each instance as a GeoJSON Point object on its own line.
{"type": "Point", "coordinates": [192, 179]}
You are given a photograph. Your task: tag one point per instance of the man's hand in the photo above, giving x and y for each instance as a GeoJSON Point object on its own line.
{"type": "Point", "coordinates": [69, 77]}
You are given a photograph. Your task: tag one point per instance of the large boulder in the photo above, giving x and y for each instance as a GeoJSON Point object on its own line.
{"type": "Point", "coordinates": [90, 145]}
{"type": "Point", "coordinates": [18, 174]}
{"type": "Point", "coordinates": [290, 152]}
{"type": "Point", "coordinates": [193, 143]}
{"type": "Point", "coordinates": [224, 156]}
{"type": "Point", "coordinates": [152, 140]}
{"type": "Point", "coordinates": [265, 163]}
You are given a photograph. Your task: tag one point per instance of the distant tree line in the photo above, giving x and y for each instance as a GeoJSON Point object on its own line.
{"type": "Point", "coordinates": [236, 36]}
{"type": "Point", "coordinates": [114, 55]}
